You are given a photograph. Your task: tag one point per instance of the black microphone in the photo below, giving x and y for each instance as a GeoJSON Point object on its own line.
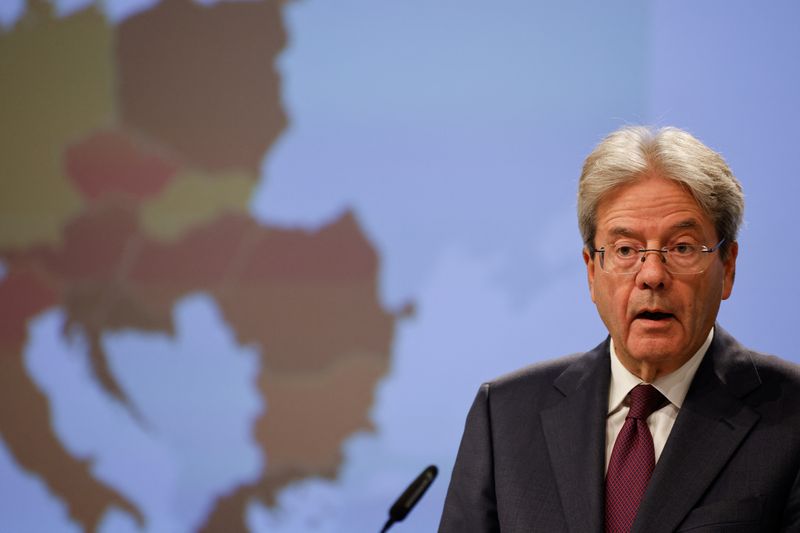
{"type": "Point", "coordinates": [410, 497]}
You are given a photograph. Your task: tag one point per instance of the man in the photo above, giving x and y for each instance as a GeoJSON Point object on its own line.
{"type": "Point", "coordinates": [669, 424]}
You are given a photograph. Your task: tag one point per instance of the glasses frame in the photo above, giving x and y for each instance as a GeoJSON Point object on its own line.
{"type": "Point", "coordinates": [663, 252]}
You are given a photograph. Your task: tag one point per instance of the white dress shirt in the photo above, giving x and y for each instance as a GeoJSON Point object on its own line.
{"type": "Point", "coordinates": [673, 386]}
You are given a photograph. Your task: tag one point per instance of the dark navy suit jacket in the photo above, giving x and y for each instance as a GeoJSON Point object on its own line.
{"type": "Point", "coordinates": [532, 457]}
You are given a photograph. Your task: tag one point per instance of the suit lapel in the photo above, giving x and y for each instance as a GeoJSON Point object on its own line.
{"type": "Point", "coordinates": [710, 426]}
{"type": "Point", "coordinates": [575, 433]}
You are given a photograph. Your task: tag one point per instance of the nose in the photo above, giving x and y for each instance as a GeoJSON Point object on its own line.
{"type": "Point", "coordinates": [653, 274]}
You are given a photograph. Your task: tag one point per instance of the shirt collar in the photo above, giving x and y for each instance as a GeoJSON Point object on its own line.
{"type": "Point", "coordinates": [673, 386]}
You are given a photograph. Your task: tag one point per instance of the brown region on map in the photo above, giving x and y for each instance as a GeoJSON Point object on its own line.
{"type": "Point", "coordinates": [202, 82]}
{"type": "Point", "coordinates": [115, 215]}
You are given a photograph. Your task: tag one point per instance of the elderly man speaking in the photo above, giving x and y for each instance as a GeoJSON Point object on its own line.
{"type": "Point", "coordinates": [669, 424]}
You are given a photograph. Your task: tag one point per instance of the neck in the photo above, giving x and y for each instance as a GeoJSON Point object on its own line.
{"type": "Point", "coordinates": [646, 372]}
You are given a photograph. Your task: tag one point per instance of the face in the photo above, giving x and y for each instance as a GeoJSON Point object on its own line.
{"type": "Point", "coordinates": [658, 320]}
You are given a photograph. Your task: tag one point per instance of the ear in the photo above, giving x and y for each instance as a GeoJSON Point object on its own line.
{"type": "Point", "coordinates": [590, 265]}
{"type": "Point", "coordinates": [730, 270]}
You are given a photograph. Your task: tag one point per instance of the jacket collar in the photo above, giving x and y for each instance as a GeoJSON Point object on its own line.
{"type": "Point", "coordinates": [575, 433]}
{"type": "Point", "coordinates": [710, 426]}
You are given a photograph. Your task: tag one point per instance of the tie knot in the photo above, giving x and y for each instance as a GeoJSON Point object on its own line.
{"type": "Point", "coordinates": [644, 400]}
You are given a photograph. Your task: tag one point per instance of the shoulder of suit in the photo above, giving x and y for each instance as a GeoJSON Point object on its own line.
{"type": "Point", "coordinates": [775, 372]}
{"type": "Point", "coordinates": [566, 370]}
{"type": "Point", "coordinates": [734, 360]}
{"type": "Point", "coordinates": [775, 364]}
{"type": "Point", "coordinates": [768, 384]}
{"type": "Point", "coordinates": [544, 370]}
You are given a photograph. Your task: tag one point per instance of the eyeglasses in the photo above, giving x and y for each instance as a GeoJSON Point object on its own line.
{"type": "Point", "coordinates": [681, 258]}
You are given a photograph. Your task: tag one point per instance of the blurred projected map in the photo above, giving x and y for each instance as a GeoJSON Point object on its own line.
{"type": "Point", "coordinates": [165, 358]}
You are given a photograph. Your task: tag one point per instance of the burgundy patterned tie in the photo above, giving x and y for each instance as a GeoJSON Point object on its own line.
{"type": "Point", "coordinates": [632, 460]}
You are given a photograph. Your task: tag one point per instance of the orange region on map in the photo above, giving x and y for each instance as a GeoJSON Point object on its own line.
{"type": "Point", "coordinates": [317, 412]}
{"type": "Point", "coordinates": [200, 80]}
{"type": "Point", "coordinates": [110, 162]}
{"type": "Point", "coordinates": [66, 95]}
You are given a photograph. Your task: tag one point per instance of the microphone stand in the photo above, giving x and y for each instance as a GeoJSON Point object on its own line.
{"type": "Point", "coordinates": [410, 497]}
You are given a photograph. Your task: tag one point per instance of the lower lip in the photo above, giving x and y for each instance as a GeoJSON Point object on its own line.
{"type": "Point", "coordinates": [650, 323]}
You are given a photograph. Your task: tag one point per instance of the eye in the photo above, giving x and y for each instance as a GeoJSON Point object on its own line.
{"type": "Point", "coordinates": [626, 251]}
{"type": "Point", "coordinates": [683, 248]}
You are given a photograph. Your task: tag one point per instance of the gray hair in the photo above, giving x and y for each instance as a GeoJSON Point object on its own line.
{"type": "Point", "coordinates": [635, 151]}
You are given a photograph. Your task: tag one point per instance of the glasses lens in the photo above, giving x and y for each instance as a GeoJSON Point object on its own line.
{"type": "Point", "coordinates": [678, 259]}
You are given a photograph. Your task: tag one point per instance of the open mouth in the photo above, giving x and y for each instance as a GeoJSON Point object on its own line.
{"type": "Point", "coordinates": [655, 315]}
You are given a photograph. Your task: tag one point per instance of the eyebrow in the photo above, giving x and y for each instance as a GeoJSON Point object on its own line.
{"type": "Point", "coordinates": [623, 231]}
{"type": "Point", "coordinates": [688, 223]}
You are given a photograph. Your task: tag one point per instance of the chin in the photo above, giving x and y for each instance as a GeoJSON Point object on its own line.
{"type": "Point", "coordinates": [656, 351]}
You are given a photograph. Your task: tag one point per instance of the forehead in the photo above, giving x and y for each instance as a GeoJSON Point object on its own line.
{"type": "Point", "coordinates": [651, 207]}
